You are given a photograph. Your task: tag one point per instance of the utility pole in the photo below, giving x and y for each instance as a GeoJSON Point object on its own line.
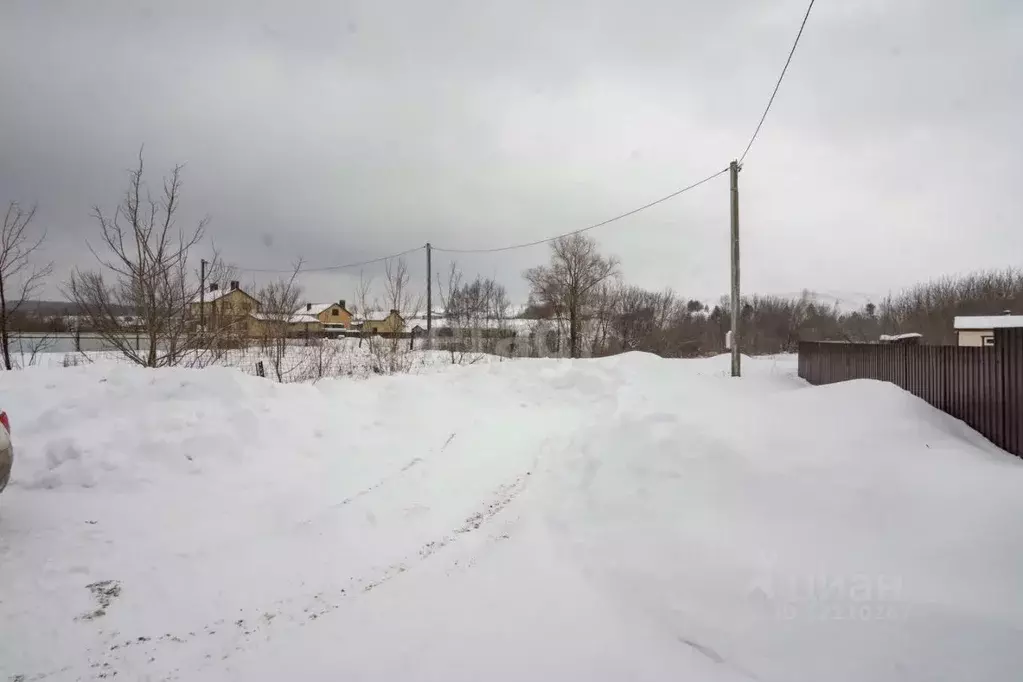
{"type": "Point", "coordinates": [733, 174]}
{"type": "Point", "coordinates": [429, 297]}
{"type": "Point", "coordinates": [202, 296]}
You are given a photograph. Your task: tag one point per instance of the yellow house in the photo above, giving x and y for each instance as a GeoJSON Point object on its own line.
{"type": "Point", "coordinates": [377, 323]}
{"type": "Point", "coordinates": [330, 315]}
{"type": "Point", "coordinates": [218, 307]}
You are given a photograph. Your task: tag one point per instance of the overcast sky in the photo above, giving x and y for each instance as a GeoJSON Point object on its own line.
{"type": "Point", "coordinates": [340, 131]}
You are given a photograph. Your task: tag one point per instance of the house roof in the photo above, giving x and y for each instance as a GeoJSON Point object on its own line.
{"type": "Point", "coordinates": [377, 315]}
{"type": "Point", "coordinates": [318, 308]}
{"type": "Point", "coordinates": [210, 296]}
{"type": "Point", "coordinates": [220, 293]}
{"type": "Point", "coordinates": [981, 322]}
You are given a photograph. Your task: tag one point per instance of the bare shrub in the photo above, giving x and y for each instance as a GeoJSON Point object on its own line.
{"type": "Point", "coordinates": [144, 286]}
{"type": "Point", "coordinates": [390, 350]}
{"type": "Point", "coordinates": [278, 302]}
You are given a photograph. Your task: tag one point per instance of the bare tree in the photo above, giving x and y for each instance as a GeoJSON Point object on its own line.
{"type": "Point", "coordinates": [607, 300]}
{"type": "Point", "coordinates": [475, 315]}
{"type": "Point", "coordinates": [397, 292]}
{"type": "Point", "coordinates": [390, 353]}
{"type": "Point", "coordinates": [570, 281]}
{"type": "Point", "coordinates": [930, 308]}
{"type": "Point", "coordinates": [454, 323]}
{"type": "Point", "coordinates": [20, 279]}
{"type": "Point", "coordinates": [279, 300]}
{"type": "Point", "coordinates": [363, 291]}
{"type": "Point", "coordinates": [144, 275]}
{"type": "Point", "coordinates": [399, 304]}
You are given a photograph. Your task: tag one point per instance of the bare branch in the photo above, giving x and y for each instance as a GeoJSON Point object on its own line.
{"type": "Point", "coordinates": [279, 304]}
{"type": "Point", "coordinates": [568, 284]}
{"type": "Point", "coordinates": [20, 277]}
{"type": "Point", "coordinates": [144, 309]}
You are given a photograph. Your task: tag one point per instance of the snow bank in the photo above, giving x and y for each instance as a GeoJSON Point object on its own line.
{"type": "Point", "coordinates": [627, 518]}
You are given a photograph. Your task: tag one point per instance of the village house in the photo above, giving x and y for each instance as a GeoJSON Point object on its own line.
{"type": "Point", "coordinates": [376, 322]}
{"type": "Point", "coordinates": [221, 308]}
{"type": "Point", "coordinates": [979, 330]}
{"type": "Point", "coordinates": [331, 315]}
{"type": "Point", "coordinates": [309, 319]}
{"type": "Point", "coordinates": [239, 313]}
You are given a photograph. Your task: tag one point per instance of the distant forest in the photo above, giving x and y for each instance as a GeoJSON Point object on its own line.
{"type": "Point", "coordinates": [621, 318]}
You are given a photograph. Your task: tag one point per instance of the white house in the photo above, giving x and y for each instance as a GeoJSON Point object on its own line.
{"type": "Point", "coordinates": [979, 330]}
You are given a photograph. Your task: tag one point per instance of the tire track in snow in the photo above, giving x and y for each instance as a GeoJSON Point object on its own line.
{"type": "Point", "coordinates": [414, 462]}
{"type": "Point", "coordinates": [504, 495]}
{"type": "Point", "coordinates": [125, 654]}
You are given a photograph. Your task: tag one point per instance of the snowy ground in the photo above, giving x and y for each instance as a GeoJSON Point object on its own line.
{"type": "Point", "coordinates": [622, 519]}
{"type": "Point", "coordinates": [302, 361]}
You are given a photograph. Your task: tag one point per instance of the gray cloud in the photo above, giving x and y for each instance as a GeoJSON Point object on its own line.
{"type": "Point", "coordinates": [344, 131]}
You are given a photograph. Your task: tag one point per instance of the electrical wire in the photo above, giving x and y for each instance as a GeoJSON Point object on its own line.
{"type": "Point", "coordinates": [590, 227]}
{"type": "Point", "coordinates": [336, 267]}
{"type": "Point", "coordinates": [778, 84]}
{"type": "Point", "coordinates": [634, 211]}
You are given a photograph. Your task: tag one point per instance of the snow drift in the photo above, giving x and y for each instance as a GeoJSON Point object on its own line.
{"type": "Point", "coordinates": [628, 518]}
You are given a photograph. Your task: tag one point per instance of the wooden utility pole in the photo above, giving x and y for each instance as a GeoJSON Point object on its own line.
{"type": "Point", "coordinates": [429, 297]}
{"type": "Point", "coordinates": [202, 296]}
{"type": "Point", "coordinates": [733, 174]}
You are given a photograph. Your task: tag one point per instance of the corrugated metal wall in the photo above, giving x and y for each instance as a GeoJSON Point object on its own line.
{"type": "Point", "coordinates": [983, 386]}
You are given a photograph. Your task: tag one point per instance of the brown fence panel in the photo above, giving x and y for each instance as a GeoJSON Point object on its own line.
{"type": "Point", "coordinates": [982, 386]}
{"type": "Point", "coordinates": [1009, 343]}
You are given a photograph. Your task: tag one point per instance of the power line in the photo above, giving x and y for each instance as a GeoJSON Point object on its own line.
{"type": "Point", "coordinates": [335, 267]}
{"type": "Point", "coordinates": [778, 84]}
{"type": "Point", "coordinates": [590, 227]}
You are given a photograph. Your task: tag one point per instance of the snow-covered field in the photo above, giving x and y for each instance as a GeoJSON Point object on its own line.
{"type": "Point", "coordinates": [630, 518]}
{"type": "Point", "coordinates": [300, 363]}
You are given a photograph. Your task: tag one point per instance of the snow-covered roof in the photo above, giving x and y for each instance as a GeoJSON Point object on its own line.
{"type": "Point", "coordinates": [221, 292]}
{"type": "Point", "coordinates": [209, 296]}
{"type": "Point", "coordinates": [297, 318]}
{"type": "Point", "coordinates": [374, 315]}
{"type": "Point", "coordinates": [900, 337]}
{"type": "Point", "coordinates": [988, 321]}
{"type": "Point", "coordinates": [316, 308]}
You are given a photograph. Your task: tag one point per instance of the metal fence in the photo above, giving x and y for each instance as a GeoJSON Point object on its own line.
{"type": "Point", "coordinates": [983, 386]}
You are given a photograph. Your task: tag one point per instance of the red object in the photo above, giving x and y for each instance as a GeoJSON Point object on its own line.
{"type": "Point", "coordinates": [5, 421]}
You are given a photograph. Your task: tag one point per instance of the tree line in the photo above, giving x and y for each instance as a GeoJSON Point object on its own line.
{"type": "Point", "coordinates": [144, 263]}
{"type": "Point", "coordinates": [601, 314]}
